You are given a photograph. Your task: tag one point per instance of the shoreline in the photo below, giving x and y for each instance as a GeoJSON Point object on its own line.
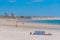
{"type": "Point", "coordinates": [12, 22]}
{"type": "Point", "coordinates": [38, 25]}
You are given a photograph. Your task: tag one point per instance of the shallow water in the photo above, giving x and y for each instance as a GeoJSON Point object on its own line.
{"type": "Point", "coordinates": [56, 22]}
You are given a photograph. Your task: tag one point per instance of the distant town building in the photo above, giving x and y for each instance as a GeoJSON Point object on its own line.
{"type": "Point", "coordinates": [13, 14]}
{"type": "Point", "coordinates": [6, 13]}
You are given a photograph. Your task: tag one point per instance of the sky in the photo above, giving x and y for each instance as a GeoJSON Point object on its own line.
{"type": "Point", "coordinates": [31, 7]}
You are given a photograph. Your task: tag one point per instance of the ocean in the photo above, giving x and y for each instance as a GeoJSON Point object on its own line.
{"type": "Point", "coordinates": [55, 22]}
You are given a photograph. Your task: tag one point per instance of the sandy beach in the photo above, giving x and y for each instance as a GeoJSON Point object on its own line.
{"type": "Point", "coordinates": [9, 30]}
{"type": "Point", "coordinates": [14, 22]}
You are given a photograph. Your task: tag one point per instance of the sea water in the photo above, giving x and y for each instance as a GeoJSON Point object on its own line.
{"type": "Point", "coordinates": [56, 22]}
{"type": "Point", "coordinates": [53, 22]}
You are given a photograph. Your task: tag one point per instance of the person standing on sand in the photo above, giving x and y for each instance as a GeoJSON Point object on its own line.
{"type": "Point", "coordinates": [16, 23]}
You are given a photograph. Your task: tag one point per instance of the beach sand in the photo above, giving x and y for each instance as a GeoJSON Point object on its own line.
{"type": "Point", "coordinates": [14, 22]}
{"type": "Point", "coordinates": [9, 31]}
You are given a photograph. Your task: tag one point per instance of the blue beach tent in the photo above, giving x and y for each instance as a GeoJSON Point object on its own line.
{"type": "Point", "coordinates": [39, 33]}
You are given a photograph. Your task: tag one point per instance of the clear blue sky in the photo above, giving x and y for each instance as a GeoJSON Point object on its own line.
{"type": "Point", "coordinates": [31, 7]}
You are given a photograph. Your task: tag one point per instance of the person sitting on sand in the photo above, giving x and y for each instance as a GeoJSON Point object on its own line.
{"type": "Point", "coordinates": [30, 33]}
